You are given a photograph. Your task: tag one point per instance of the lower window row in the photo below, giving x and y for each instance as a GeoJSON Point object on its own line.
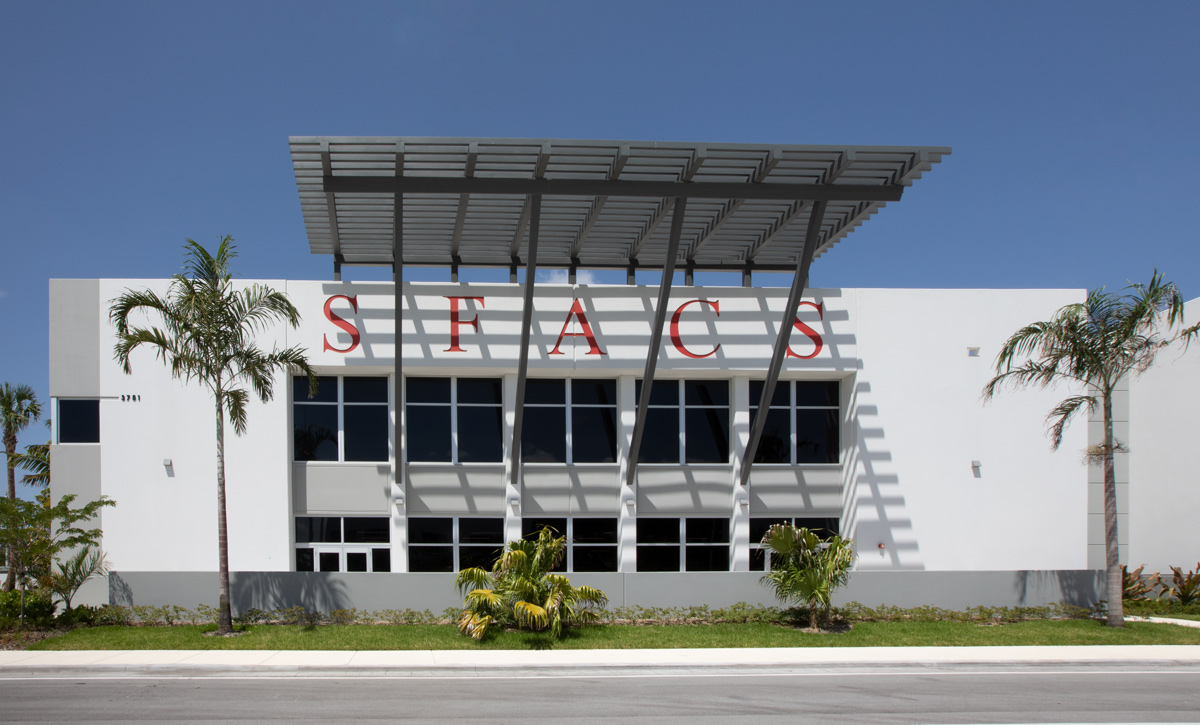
{"type": "Point", "coordinates": [448, 544]}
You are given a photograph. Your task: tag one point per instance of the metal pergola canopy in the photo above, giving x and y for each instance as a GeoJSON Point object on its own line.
{"type": "Point", "coordinates": [603, 203]}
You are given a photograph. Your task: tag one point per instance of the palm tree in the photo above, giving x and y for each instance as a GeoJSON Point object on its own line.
{"type": "Point", "coordinates": [207, 336]}
{"type": "Point", "coordinates": [19, 408]}
{"type": "Point", "coordinates": [521, 590]}
{"type": "Point", "coordinates": [806, 569]}
{"type": "Point", "coordinates": [1092, 346]}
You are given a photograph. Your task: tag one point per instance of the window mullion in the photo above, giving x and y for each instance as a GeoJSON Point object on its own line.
{"type": "Point", "coordinates": [682, 413]}
{"type": "Point", "coordinates": [454, 420]}
{"type": "Point", "coordinates": [682, 543]}
{"type": "Point", "coordinates": [570, 457]}
{"type": "Point", "coordinates": [792, 420]}
{"type": "Point", "coordinates": [341, 419]}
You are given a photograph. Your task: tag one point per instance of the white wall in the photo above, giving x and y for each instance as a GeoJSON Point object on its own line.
{"type": "Point", "coordinates": [917, 420]}
{"type": "Point", "coordinates": [922, 421]}
{"type": "Point", "coordinates": [1164, 486]}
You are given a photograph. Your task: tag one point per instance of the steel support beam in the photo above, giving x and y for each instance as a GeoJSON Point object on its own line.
{"type": "Point", "coordinates": [398, 321]}
{"type": "Point", "coordinates": [535, 218]}
{"type": "Point", "coordinates": [607, 187]}
{"type": "Point", "coordinates": [660, 317]}
{"type": "Point", "coordinates": [799, 282]}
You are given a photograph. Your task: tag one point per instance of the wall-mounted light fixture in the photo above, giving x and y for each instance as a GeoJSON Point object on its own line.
{"type": "Point", "coordinates": [399, 503]}
{"type": "Point", "coordinates": [972, 352]}
{"type": "Point", "coordinates": [167, 463]}
{"type": "Point", "coordinates": [514, 502]}
{"type": "Point", "coordinates": [743, 503]}
{"type": "Point", "coordinates": [977, 469]}
{"type": "Point", "coordinates": [629, 504]}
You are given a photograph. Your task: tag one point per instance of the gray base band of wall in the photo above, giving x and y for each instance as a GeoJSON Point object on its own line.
{"type": "Point", "coordinates": [372, 592]}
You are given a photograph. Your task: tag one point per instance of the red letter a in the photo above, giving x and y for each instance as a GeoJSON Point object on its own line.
{"type": "Point", "coordinates": [577, 311]}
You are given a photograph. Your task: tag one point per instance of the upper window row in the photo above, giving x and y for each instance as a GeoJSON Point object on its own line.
{"type": "Point", "coordinates": [461, 420]}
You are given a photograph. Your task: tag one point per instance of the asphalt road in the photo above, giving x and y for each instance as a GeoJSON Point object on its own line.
{"type": "Point", "coordinates": [1009, 694]}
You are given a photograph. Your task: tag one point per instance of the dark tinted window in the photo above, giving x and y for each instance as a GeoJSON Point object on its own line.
{"type": "Point", "coordinates": [658, 531]}
{"type": "Point", "coordinates": [662, 392]}
{"type": "Point", "coordinates": [817, 435]}
{"type": "Point", "coordinates": [480, 391]}
{"type": "Point", "coordinates": [658, 558]}
{"type": "Point", "coordinates": [595, 531]}
{"type": "Point", "coordinates": [480, 531]}
{"type": "Point", "coordinates": [315, 432]}
{"type": "Point", "coordinates": [824, 392]}
{"type": "Point", "coordinates": [427, 430]}
{"type": "Point", "coordinates": [364, 390]}
{"type": "Point", "coordinates": [366, 432]}
{"type": "Point", "coordinates": [660, 437]}
{"type": "Point", "coordinates": [480, 433]}
{"type": "Point", "coordinates": [706, 392]}
{"type": "Point", "coordinates": [707, 558]}
{"type": "Point", "coordinates": [530, 527]}
{"type": "Point", "coordinates": [430, 531]}
{"type": "Point", "coordinates": [431, 558]}
{"type": "Point", "coordinates": [543, 435]}
{"type": "Point", "coordinates": [329, 561]}
{"type": "Point", "coordinates": [775, 445]}
{"type": "Point", "coordinates": [596, 558]}
{"type": "Point", "coordinates": [326, 390]}
{"type": "Point", "coordinates": [381, 559]}
{"type": "Point", "coordinates": [318, 530]}
{"type": "Point", "coordinates": [356, 561]}
{"type": "Point", "coordinates": [78, 421]}
{"type": "Point", "coordinates": [759, 526]}
{"type": "Point", "coordinates": [427, 390]}
{"type": "Point", "coordinates": [707, 435]}
{"type": "Point", "coordinates": [594, 435]}
{"type": "Point", "coordinates": [364, 530]}
{"type": "Point", "coordinates": [707, 531]}
{"type": "Point", "coordinates": [548, 392]}
{"type": "Point", "coordinates": [593, 392]}
{"type": "Point", "coordinates": [304, 559]}
{"type": "Point", "coordinates": [483, 557]}
{"type": "Point", "coordinates": [780, 397]}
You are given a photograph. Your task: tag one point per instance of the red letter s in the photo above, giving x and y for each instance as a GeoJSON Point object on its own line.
{"type": "Point", "coordinates": [808, 332]}
{"type": "Point", "coordinates": [345, 326]}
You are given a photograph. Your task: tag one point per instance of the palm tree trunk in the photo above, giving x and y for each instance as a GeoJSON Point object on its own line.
{"type": "Point", "coordinates": [224, 615]}
{"type": "Point", "coordinates": [10, 449]}
{"type": "Point", "coordinates": [1112, 558]}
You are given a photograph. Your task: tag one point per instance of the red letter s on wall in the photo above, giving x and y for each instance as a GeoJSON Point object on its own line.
{"type": "Point", "coordinates": [347, 327]}
{"type": "Point", "coordinates": [808, 332]}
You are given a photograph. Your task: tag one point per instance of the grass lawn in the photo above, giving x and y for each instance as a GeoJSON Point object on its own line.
{"type": "Point", "coordinates": [435, 637]}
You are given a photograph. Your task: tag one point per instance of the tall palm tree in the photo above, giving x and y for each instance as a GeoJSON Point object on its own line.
{"type": "Point", "coordinates": [207, 336]}
{"type": "Point", "coordinates": [19, 408]}
{"type": "Point", "coordinates": [1092, 346]}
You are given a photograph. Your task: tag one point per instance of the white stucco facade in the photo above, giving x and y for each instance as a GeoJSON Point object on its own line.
{"type": "Point", "coordinates": [927, 479]}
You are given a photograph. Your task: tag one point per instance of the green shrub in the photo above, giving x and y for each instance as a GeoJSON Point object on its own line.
{"type": "Point", "coordinates": [298, 615]}
{"type": "Point", "coordinates": [80, 615]}
{"type": "Point", "coordinates": [1185, 586]}
{"type": "Point", "coordinates": [39, 609]}
{"type": "Point", "coordinates": [1160, 608]}
{"type": "Point", "coordinates": [344, 616]}
{"type": "Point", "coordinates": [407, 616]}
{"type": "Point", "coordinates": [114, 614]}
{"type": "Point", "coordinates": [251, 616]}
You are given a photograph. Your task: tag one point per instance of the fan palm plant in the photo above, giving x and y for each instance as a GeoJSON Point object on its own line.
{"type": "Point", "coordinates": [1093, 346]}
{"type": "Point", "coordinates": [520, 590]}
{"type": "Point", "coordinates": [70, 574]}
{"type": "Point", "coordinates": [208, 336]}
{"type": "Point", "coordinates": [805, 569]}
{"type": "Point", "coordinates": [19, 408]}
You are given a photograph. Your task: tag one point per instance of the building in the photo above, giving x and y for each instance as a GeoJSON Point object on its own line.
{"type": "Point", "coordinates": [399, 472]}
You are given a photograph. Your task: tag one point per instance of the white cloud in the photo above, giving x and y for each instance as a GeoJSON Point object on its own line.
{"type": "Point", "coordinates": [560, 276]}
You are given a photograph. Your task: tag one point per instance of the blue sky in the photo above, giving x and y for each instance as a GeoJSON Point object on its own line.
{"type": "Point", "coordinates": [132, 125]}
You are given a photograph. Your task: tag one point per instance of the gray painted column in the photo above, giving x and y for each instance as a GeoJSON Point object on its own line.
{"type": "Point", "coordinates": [512, 489]}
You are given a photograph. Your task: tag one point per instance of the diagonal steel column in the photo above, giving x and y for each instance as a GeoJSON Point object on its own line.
{"type": "Point", "coordinates": [535, 218]}
{"type": "Point", "coordinates": [660, 317]}
{"type": "Point", "coordinates": [799, 282]}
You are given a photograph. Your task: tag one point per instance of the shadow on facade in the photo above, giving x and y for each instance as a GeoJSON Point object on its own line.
{"type": "Point", "coordinates": [276, 590]}
{"type": "Point", "coordinates": [1081, 588]}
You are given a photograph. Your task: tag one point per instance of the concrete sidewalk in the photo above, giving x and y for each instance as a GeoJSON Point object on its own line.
{"type": "Point", "coordinates": [562, 663]}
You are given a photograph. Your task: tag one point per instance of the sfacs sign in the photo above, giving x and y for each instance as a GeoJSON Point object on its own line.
{"type": "Point", "coordinates": [467, 324]}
